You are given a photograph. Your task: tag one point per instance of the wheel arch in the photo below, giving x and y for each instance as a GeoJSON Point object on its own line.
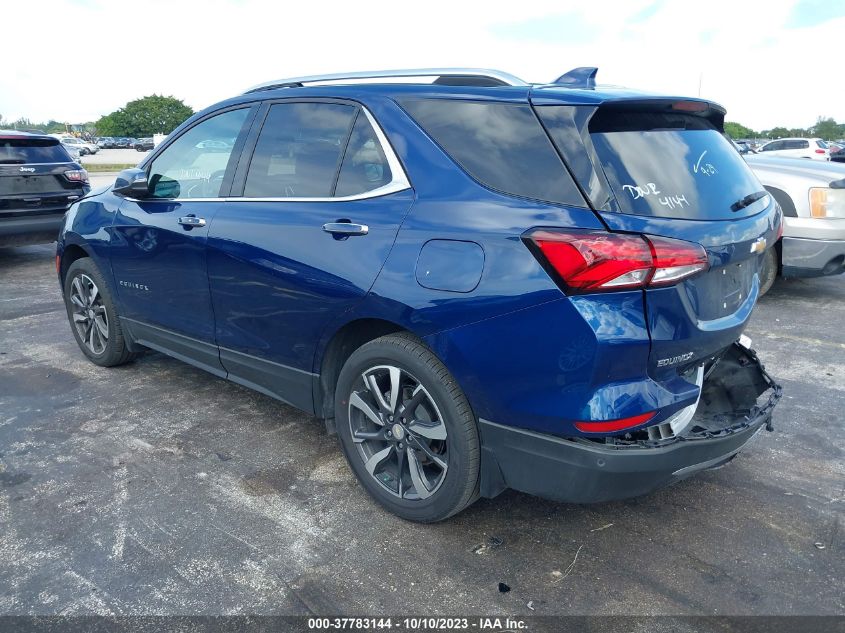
{"type": "Point", "coordinates": [784, 200]}
{"type": "Point", "coordinates": [335, 353]}
{"type": "Point", "coordinates": [70, 254]}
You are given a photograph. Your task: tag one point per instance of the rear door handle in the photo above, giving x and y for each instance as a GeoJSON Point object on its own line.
{"type": "Point", "coordinates": [191, 221]}
{"type": "Point", "coordinates": [346, 228]}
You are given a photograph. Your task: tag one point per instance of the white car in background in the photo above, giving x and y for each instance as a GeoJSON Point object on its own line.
{"type": "Point", "coordinates": [812, 196]}
{"type": "Point", "coordinates": [84, 147]}
{"type": "Point", "coordinates": [814, 148]}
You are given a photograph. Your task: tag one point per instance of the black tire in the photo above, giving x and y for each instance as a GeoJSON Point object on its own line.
{"type": "Point", "coordinates": [456, 486]}
{"type": "Point", "coordinates": [114, 350]}
{"type": "Point", "coordinates": [768, 270]}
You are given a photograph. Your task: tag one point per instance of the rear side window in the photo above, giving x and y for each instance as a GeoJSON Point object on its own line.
{"type": "Point", "coordinates": [822, 144]}
{"type": "Point", "coordinates": [797, 144]}
{"type": "Point", "coordinates": [299, 150]}
{"type": "Point", "coordinates": [21, 151]}
{"type": "Point", "coordinates": [501, 145]}
{"type": "Point", "coordinates": [364, 165]}
{"type": "Point", "coordinates": [670, 165]}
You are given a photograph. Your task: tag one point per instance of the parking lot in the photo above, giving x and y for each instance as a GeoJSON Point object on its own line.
{"type": "Point", "coordinates": [113, 157]}
{"type": "Point", "coordinates": [155, 488]}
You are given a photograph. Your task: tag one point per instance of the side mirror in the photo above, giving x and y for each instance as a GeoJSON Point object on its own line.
{"type": "Point", "coordinates": [132, 183]}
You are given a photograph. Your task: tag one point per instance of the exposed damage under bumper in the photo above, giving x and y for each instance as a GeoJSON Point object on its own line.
{"type": "Point", "coordinates": [736, 402]}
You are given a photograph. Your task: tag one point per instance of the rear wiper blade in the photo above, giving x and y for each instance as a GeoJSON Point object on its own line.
{"type": "Point", "coordinates": [748, 200]}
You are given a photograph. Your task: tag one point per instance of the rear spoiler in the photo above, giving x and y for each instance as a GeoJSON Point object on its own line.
{"type": "Point", "coordinates": [712, 112]}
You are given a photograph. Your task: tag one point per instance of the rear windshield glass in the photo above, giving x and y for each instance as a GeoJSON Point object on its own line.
{"type": "Point", "coordinates": [15, 151]}
{"type": "Point", "coordinates": [672, 165]}
{"type": "Point", "coordinates": [502, 145]}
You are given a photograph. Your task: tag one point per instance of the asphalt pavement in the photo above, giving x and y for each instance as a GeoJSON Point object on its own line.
{"type": "Point", "coordinates": [155, 488]}
{"type": "Point", "coordinates": [113, 157]}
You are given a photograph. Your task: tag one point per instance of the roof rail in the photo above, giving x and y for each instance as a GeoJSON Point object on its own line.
{"type": "Point", "coordinates": [444, 76]}
{"type": "Point", "coordinates": [581, 77]}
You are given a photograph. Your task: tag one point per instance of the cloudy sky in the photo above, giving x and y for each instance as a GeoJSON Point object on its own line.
{"type": "Point", "coordinates": [774, 62]}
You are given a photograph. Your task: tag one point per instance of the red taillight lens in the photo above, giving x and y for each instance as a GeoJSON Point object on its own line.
{"type": "Point", "coordinates": [819, 151]}
{"type": "Point", "coordinates": [675, 260]}
{"type": "Point", "coordinates": [76, 175]}
{"type": "Point", "coordinates": [591, 261]}
{"type": "Point", "coordinates": [611, 426]}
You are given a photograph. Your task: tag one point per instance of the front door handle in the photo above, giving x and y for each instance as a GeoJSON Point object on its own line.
{"type": "Point", "coordinates": [191, 221]}
{"type": "Point", "coordinates": [343, 229]}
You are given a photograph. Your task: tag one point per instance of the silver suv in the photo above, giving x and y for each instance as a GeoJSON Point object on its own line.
{"type": "Point", "coordinates": [812, 196]}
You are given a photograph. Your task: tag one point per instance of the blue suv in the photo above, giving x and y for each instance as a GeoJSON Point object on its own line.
{"type": "Point", "coordinates": [479, 283]}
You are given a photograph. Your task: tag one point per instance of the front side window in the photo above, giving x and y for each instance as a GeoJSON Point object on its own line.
{"type": "Point", "coordinates": [194, 165]}
{"type": "Point", "coordinates": [299, 150]}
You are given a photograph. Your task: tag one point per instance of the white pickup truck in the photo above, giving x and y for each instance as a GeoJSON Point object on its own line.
{"type": "Point", "coordinates": [812, 196]}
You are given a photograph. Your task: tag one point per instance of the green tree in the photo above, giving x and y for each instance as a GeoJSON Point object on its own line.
{"type": "Point", "coordinates": [828, 129]}
{"type": "Point", "coordinates": [778, 132]}
{"type": "Point", "coordinates": [737, 130]}
{"type": "Point", "coordinates": [144, 117]}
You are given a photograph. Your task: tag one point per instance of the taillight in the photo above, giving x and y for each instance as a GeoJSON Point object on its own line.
{"type": "Point", "coordinates": [819, 151]}
{"type": "Point", "coordinates": [675, 260]}
{"type": "Point", "coordinates": [611, 426]}
{"type": "Point", "coordinates": [595, 261]}
{"type": "Point", "coordinates": [76, 175]}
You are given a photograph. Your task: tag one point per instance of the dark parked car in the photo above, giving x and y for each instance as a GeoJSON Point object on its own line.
{"type": "Point", "coordinates": [479, 283]}
{"type": "Point", "coordinates": [144, 144]}
{"type": "Point", "coordinates": [122, 143]}
{"type": "Point", "coordinates": [38, 180]}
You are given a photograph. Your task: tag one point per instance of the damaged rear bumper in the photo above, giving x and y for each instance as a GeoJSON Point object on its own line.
{"type": "Point", "coordinates": [737, 400]}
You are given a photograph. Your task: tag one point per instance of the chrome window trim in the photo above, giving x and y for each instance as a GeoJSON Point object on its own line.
{"type": "Point", "coordinates": [403, 73]}
{"type": "Point", "coordinates": [373, 193]}
{"type": "Point", "coordinates": [399, 180]}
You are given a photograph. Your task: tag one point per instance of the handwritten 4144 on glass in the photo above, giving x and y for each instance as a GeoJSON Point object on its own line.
{"type": "Point", "coordinates": [650, 189]}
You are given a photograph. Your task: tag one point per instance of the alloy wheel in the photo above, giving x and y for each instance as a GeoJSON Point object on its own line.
{"type": "Point", "coordinates": [399, 432]}
{"type": "Point", "coordinates": [89, 314]}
